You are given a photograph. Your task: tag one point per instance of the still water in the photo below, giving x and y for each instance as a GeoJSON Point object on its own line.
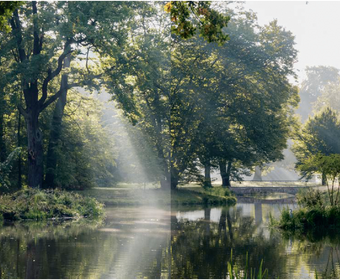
{"type": "Point", "coordinates": [143, 242]}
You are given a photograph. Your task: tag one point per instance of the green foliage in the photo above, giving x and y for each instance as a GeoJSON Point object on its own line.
{"type": "Point", "coordinates": [187, 17]}
{"type": "Point", "coordinates": [315, 214]}
{"type": "Point", "coordinates": [85, 153]}
{"type": "Point", "coordinates": [318, 137]}
{"type": "Point", "coordinates": [46, 35]}
{"type": "Point", "coordinates": [6, 168]}
{"type": "Point", "coordinates": [44, 204]}
{"type": "Point", "coordinates": [226, 103]}
{"type": "Point", "coordinates": [6, 10]}
{"type": "Point", "coordinates": [311, 198]}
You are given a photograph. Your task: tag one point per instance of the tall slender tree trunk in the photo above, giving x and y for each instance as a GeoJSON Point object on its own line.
{"type": "Point", "coordinates": [225, 172]}
{"type": "Point", "coordinates": [35, 149]}
{"type": "Point", "coordinates": [55, 132]}
{"type": "Point", "coordinates": [323, 179]}
{"type": "Point", "coordinates": [19, 145]}
{"type": "Point", "coordinates": [207, 175]}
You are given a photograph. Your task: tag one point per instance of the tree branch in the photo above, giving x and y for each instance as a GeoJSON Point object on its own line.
{"type": "Point", "coordinates": [22, 111]}
{"type": "Point", "coordinates": [36, 44]}
{"type": "Point", "coordinates": [52, 75]}
{"type": "Point", "coordinates": [51, 100]}
{"type": "Point", "coordinates": [16, 31]}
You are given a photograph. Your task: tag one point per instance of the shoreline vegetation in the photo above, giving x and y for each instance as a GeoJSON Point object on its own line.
{"type": "Point", "coordinates": [316, 213]}
{"type": "Point", "coordinates": [39, 204]}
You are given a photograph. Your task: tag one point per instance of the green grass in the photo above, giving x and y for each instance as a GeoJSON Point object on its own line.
{"type": "Point", "coordinates": [131, 196]}
{"type": "Point", "coordinates": [39, 204]}
{"type": "Point", "coordinates": [274, 184]}
{"type": "Point", "coordinates": [201, 196]}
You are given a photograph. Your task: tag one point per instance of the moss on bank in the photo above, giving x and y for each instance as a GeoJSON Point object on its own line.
{"type": "Point", "coordinates": [44, 204]}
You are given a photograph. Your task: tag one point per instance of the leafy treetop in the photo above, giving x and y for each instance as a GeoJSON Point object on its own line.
{"type": "Point", "coordinates": [190, 16]}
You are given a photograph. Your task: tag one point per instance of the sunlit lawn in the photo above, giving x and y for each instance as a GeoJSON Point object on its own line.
{"type": "Point", "coordinates": [151, 194]}
{"type": "Point", "coordinates": [260, 184]}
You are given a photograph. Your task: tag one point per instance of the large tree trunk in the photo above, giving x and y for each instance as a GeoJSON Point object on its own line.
{"type": "Point", "coordinates": [31, 88]}
{"type": "Point", "coordinates": [35, 150]}
{"type": "Point", "coordinates": [207, 176]}
{"type": "Point", "coordinates": [174, 183]}
{"type": "Point", "coordinates": [174, 178]}
{"type": "Point", "coordinates": [55, 132]}
{"type": "Point", "coordinates": [225, 173]}
{"type": "Point", "coordinates": [228, 174]}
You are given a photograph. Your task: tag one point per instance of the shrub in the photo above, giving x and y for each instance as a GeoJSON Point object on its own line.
{"type": "Point", "coordinates": [42, 204]}
{"type": "Point", "coordinates": [310, 199]}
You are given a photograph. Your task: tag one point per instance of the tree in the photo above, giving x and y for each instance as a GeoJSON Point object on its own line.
{"type": "Point", "coordinates": [329, 98]}
{"type": "Point", "coordinates": [319, 135]}
{"type": "Point", "coordinates": [232, 104]}
{"type": "Point", "coordinates": [189, 17]}
{"type": "Point", "coordinates": [43, 36]}
{"type": "Point", "coordinates": [85, 154]}
{"type": "Point", "coordinates": [329, 166]}
{"type": "Point", "coordinates": [318, 77]}
{"type": "Point", "coordinates": [143, 91]}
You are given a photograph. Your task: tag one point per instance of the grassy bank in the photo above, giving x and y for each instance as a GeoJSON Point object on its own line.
{"type": "Point", "coordinates": [44, 204]}
{"type": "Point", "coordinates": [189, 195]}
{"type": "Point", "coordinates": [194, 195]}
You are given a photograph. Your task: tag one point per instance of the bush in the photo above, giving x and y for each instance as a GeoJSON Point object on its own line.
{"type": "Point", "coordinates": [43, 204]}
{"type": "Point", "coordinates": [311, 198]}
{"type": "Point", "coordinates": [310, 218]}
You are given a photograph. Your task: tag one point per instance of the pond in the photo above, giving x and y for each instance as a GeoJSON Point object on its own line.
{"type": "Point", "coordinates": [147, 242]}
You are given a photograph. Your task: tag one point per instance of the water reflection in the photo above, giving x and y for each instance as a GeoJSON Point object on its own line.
{"type": "Point", "coordinates": [152, 243]}
{"type": "Point", "coordinates": [202, 241]}
{"type": "Point", "coordinates": [130, 243]}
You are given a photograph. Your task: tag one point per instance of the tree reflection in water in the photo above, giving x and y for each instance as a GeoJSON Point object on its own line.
{"type": "Point", "coordinates": [201, 247]}
{"type": "Point", "coordinates": [323, 249]}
